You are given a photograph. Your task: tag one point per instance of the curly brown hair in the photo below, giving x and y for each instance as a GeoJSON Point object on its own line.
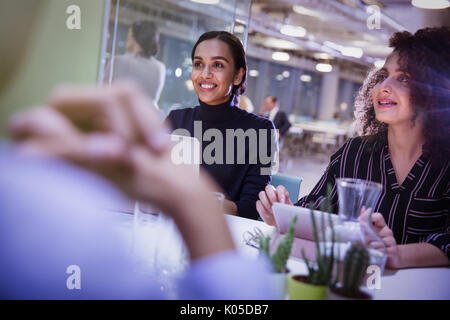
{"type": "Point", "coordinates": [424, 56]}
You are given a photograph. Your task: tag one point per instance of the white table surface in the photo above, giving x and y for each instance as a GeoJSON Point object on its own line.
{"type": "Point", "coordinates": [417, 283]}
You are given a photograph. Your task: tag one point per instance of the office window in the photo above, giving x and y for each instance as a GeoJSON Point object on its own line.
{"type": "Point", "coordinates": [297, 89]}
{"type": "Point", "coordinates": [180, 23]}
{"type": "Point", "coordinates": [347, 91]}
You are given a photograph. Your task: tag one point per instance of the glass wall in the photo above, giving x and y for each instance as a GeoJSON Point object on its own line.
{"type": "Point", "coordinates": [166, 75]}
{"type": "Point", "coordinates": [180, 23]}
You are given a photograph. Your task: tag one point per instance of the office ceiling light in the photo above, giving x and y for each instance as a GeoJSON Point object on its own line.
{"type": "Point", "coordinates": [286, 74]}
{"type": "Point", "coordinates": [305, 78]}
{"type": "Point", "coordinates": [324, 67]}
{"type": "Point", "coordinates": [379, 63]}
{"type": "Point", "coordinates": [280, 56]}
{"type": "Point", "coordinates": [178, 72]}
{"type": "Point", "coordinates": [323, 55]}
{"type": "Point", "coordinates": [279, 77]}
{"type": "Point", "coordinates": [431, 4]}
{"type": "Point", "coordinates": [206, 1]}
{"type": "Point", "coordinates": [280, 44]}
{"type": "Point", "coordinates": [307, 12]}
{"type": "Point", "coordinates": [253, 73]}
{"type": "Point", "coordinates": [293, 31]}
{"type": "Point", "coordinates": [352, 52]}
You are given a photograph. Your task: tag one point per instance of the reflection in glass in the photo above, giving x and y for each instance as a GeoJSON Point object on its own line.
{"type": "Point", "coordinates": [139, 63]}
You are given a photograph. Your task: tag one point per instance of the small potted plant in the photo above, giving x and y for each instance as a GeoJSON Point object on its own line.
{"type": "Point", "coordinates": [279, 256]}
{"type": "Point", "coordinates": [320, 274]}
{"type": "Point", "coordinates": [354, 269]}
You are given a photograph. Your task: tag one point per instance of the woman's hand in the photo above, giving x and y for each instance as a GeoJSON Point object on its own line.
{"type": "Point", "coordinates": [114, 132]}
{"type": "Point", "coordinates": [267, 198]}
{"type": "Point", "coordinates": [387, 236]}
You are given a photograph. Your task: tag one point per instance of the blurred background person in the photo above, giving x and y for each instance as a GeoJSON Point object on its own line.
{"type": "Point", "coordinates": [139, 63]}
{"type": "Point", "coordinates": [272, 111]}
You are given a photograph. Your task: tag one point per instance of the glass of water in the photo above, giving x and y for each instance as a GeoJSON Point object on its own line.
{"type": "Point", "coordinates": [158, 248]}
{"type": "Point", "coordinates": [356, 197]}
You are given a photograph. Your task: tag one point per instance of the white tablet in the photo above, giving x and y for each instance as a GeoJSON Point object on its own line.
{"type": "Point", "coordinates": [285, 213]}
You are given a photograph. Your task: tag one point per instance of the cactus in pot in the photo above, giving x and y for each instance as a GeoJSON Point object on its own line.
{"type": "Point", "coordinates": [355, 265]}
{"type": "Point", "coordinates": [354, 269]}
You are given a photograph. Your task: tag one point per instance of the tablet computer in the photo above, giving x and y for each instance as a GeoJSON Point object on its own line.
{"type": "Point", "coordinates": [285, 213]}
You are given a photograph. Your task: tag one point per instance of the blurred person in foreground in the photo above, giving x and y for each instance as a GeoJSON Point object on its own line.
{"type": "Point", "coordinates": [67, 161]}
{"type": "Point", "coordinates": [402, 111]}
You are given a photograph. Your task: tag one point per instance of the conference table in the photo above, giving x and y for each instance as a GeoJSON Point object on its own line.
{"type": "Point", "coordinates": [405, 284]}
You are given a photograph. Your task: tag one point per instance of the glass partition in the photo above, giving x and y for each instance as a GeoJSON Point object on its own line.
{"type": "Point", "coordinates": [165, 73]}
{"type": "Point", "coordinates": [347, 92]}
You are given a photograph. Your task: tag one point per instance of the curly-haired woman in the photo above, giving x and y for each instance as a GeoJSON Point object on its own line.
{"type": "Point", "coordinates": [402, 111]}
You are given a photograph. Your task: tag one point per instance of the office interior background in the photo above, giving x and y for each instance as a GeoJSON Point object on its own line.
{"type": "Point", "coordinates": [311, 54]}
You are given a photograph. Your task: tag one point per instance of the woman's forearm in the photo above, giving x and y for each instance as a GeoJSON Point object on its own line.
{"type": "Point", "coordinates": [415, 255]}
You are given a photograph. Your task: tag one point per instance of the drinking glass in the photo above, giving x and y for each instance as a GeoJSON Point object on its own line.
{"type": "Point", "coordinates": [158, 248]}
{"type": "Point", "coordinates": [357, 199]}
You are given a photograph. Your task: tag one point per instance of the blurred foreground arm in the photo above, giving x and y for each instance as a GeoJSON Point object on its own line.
{"type": "Point", "coordinates": [115, 133]}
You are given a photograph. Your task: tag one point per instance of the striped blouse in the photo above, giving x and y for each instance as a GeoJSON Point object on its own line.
{"type": "Point", "coordinates": [416, 211]}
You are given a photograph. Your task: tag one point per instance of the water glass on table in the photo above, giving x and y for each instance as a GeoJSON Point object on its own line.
{"type": "Point", "coordinates": [158, 248]}
{"type": "Point", "coordinates": [357, 200]}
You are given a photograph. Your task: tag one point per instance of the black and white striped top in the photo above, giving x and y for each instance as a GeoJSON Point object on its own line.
{"type": "Point", "coordinates": [416, 211]}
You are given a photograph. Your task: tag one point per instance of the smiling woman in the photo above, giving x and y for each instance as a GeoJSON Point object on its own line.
{"type": "Point", "coordinates": [402, 113]}
{"type": "Point", "coordinates": [219, 78]}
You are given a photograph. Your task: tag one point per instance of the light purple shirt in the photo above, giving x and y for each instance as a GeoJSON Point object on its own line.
{"type": "Point", "coordinates": [51, 217]}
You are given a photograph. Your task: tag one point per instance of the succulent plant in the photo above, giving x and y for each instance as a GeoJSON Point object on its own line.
{"type": "Point", "coordinates": [280, 256]}
{"type": "Point", "coordinates": [322, 272]}
{"type": "Point", "coordinates": [356, 262]}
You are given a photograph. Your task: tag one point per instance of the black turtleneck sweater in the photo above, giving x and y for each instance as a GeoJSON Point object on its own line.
{"type": "Point", "coordinates": [240, 179]}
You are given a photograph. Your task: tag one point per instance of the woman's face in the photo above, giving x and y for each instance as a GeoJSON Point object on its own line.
{"type": "Point", "coordinates": [213, 72]}
{"type": "Point", "coordinates": [391, 94]}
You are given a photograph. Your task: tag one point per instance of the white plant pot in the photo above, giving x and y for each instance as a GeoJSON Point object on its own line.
{"type": "Point", "coordinates": [279, 282]}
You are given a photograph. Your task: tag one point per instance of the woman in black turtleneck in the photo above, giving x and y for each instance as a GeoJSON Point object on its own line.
{"type": "Point", "coordinates": [219, 77]}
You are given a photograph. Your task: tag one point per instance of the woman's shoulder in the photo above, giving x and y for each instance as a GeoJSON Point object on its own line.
{"type": "Point", "coordinates": [254, 121]}
{"type": "Point", "coordinates": [182, 111]}
{"type": "Point", "coordinates": [158, 63]}
{"type": "Point", "coordinates": [180, 116]}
